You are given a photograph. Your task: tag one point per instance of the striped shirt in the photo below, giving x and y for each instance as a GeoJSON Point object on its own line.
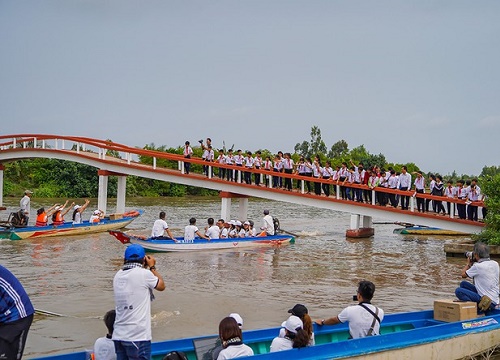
{"type": "Point", "coordinates": [14, 301]}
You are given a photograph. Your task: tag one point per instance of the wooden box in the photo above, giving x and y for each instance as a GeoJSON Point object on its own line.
{"type": "Point", "coordinates": [454, 310]}
{"type": "Point", "coordinates": [115, 216]}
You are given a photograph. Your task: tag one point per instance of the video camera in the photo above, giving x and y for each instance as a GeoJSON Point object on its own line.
{"type": "Point", "coordinates": [200, 141]}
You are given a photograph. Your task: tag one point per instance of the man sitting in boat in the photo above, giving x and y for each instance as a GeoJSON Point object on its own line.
{"type": "Point", "coordinates": [485, 273]}
{"type": "Point", "coordinates": [42, 216]}
{"type": "Point", "coordinates": [159, 228]}
{"type": "Point", "coordinates": [59, 212]}
{"type": "Point", "coordinates": [360, 325]}
{"type": "Point", "coordinates": [191, 230]}
{"type": "Point", "coordinates": [212, 231]}
{"type": "Point", "coordinates": [223, 229]}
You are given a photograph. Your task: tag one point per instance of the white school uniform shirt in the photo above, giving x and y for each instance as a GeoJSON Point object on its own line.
{"type": "Point", "coordinates": [249, 161]}
{"type": "Point", "coordinates": [450, 192]}
{"type": "Point", "coordinates": [405, 180]}
{"type": "Point", "coordinates": [317, 170]}
{"type": "Point", "coordinates": [419, 183]}
{"type": "Point", "coordinates": [325, 172]}
{"type": "Point", "coordinates": [238, 159]}
{"type": "Point", "coordinates": [268, 165]}
{"type": "Point", "coordinates": [190, 232]}
{"type": "Point", "coordinates": [188, 151]}
{"type": "Point", "coordinates": [205, 154]}
{"type": "Point", "coordinates": [257, 161]}
{"type": "Point", "coordinates": [221, 159]}
{"type": "Point", "coordinates": [278, 165]}
{"type": "Point", "coordinates": [393, 182]}
{"type": "Point", "coordinates": [288, 164]}
{"type": "Point", "coordinates": [230, 159]}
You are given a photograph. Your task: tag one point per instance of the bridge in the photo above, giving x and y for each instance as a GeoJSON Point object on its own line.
{"type": "Point", "coordinates": [96, 152]}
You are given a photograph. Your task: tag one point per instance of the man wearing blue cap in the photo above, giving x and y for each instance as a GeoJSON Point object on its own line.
{"type": "Point", "coordinates": [133, 289]}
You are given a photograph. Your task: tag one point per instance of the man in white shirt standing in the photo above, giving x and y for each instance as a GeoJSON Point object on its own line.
{"type": "Point", "coordinates": [405, 185]}
{"type": "Point", "coordinates": [188, 152]}
{"type": "Point", "coordinates": [159, 228]}
{"type": "Point", "coordinates": [25, 204]}
{"type": "Point", "coordinates": [133, 288]}
{"type": "Point", "coordinates": [268, 223]}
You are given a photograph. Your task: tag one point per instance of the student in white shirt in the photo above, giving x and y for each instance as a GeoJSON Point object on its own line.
{"type": "Point", "coordinates": [212, 231]}
{"type": "Point", "coordinates": [188, 152]}
{"type": "Point", "coordinates": [104, 347]}
{"type": "Point", "coordinates": [159, 228]}
{"type": "Point", "coordinates": [232, 340]}
{"type": "Point", "coordinates": [190, 231]}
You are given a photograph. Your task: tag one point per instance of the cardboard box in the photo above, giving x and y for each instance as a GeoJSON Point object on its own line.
{"type": "Point", "coordinates": [454, 310]}
{"type": "Point", "coordinates": [115, 216]}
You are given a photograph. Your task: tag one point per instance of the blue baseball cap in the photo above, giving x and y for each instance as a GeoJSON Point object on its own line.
{"type": "Point", "coordinates": [134, 252]}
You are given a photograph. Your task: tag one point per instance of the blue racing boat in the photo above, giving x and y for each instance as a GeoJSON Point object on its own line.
{"type": "Point", "coordinates": [409, 335]}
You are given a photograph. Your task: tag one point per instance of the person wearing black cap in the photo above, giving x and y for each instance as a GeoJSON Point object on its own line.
{"type": "Point", "coordinates": [133, 288]}
{"type": "Point", "coordinates": [301, 312]}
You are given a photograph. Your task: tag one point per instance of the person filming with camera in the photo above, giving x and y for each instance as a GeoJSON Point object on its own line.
{"type": "Point", "coordinates": [484, 273]}
{"type": "Point", "coordinates": [364, 319]}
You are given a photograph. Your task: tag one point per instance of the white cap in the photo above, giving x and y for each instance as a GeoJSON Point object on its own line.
{"type": "Point", "coordinates": [292, 324]}
{"type": "Point", "coordinates": [238, 223]}
{"type": "Point", "coordinates": [57, 208]}
{"type": "Point", "coordinates": [76, 207]}
{"type": "Point", "coordinates": [96, 212]}
{"type": "Point", "coordinates": [246, 223]}
{"type": "Point", "coordinates": [238, 319]}
{"type": "Point", "coordinates": [232, 222]}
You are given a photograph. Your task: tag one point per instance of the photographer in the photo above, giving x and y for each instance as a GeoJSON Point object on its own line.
{"type": "Point", "coordinates": [484, 272]}
{"type": "Point", "coordinates": [364, 319]}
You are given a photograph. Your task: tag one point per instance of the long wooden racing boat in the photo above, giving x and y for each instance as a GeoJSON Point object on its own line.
{"type": "Point", "coordinates": [426, 230]}
{"type": "Point", "coordinates": [117, 221]}
{"type": "Point", "coordinates": [410, 335]}
{"type": "Point", "coordinates": [179, 244]}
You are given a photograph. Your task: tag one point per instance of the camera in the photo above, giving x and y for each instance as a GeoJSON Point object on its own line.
{"type": "Point", "coordinates": [469, 255]}
{"type": "Point", "coordinates": [200, 141]}
{"type": "Point", "coordinates": [355, 298]}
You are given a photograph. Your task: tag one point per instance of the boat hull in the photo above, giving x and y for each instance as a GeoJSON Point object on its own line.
{"type": "Point", "coordinates": [179, 244]}
{"type": "Point", "coordinates": [68, 229]}
{"type": "Point", "coordinates": [423, 230]}
{"type": "Point", "coordinates": [412, 335]}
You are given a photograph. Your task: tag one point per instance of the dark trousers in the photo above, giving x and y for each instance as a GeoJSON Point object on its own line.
{"type": "Point", "coordinates": [222, 173]}
{"type": "Point", "coordinates": [13, 337]}
{"type": "Point", "coordinates": [187, 166]}
{"type": "Point", "coordinates": [472, 212]}
{"type": "Point", "coordinates": [230, 174]}
{"type": "Point", "coordinates": [420, 201]}
{"type": "Point", "coordinates": [288, 181]}
{"type": "Point", "coordinates": [276, 179]}
{"type": "Point", "coordinates": [326, 187]}
{"type": "Point", "coordinates": [405, 200]}
{"type": "Point", "coordinates": [461, 211]}
{"type": "Point", "coordinates": [438, 205]}
{"type": "Point", "coordinates": [248, 177]}
{"type": "Point", "coordinates": [317, 188]}
{"type": "Point", "coordinates": [257, 177]}
{"type": "Point", "coordinates": [393, 200]}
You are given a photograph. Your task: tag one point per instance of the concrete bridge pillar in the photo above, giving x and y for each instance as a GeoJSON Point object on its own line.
{"type": "Point", "coordinates": [102, 197]}
{"type": "Point", "coordinates": [121, 193]}
{"type": "Point", "coordinates": [360, 226]}
{"type": "Point", "coordinates": [2, 168]}
{"type": "Point", "coordinates": [226, 205]}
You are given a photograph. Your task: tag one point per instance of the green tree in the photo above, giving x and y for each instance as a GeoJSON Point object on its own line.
{"type": "Point", "coordinates": [490, 186]}
{"type": "Point", "coordinates": [338, 149]}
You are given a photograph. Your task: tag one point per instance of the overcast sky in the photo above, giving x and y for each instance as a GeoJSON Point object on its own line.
{"type": "Point", "coordinates": [418, 81]}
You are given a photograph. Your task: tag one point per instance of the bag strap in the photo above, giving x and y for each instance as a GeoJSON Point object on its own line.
{"type": "Point", "coordinates": [375, 318]}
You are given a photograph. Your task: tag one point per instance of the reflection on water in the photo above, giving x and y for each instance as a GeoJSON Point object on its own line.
{"type": "Point", "coordinates": [73, 276]}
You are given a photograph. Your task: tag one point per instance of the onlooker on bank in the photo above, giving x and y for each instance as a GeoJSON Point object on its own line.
{"type": "Point", "coordinates": [485, 274]}
{"type": "Point", "coordinates": [104, 347]}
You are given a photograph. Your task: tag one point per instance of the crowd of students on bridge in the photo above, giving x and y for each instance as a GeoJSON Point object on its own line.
{"type": "Point", "coordinates": [346, 175]}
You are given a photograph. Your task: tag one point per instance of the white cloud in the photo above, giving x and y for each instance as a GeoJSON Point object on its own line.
{"type": "Point", "coordinates": [490, 122]}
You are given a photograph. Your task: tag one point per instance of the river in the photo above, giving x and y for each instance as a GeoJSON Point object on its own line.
{"type": "Point", "coordinates": [72, 276]}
